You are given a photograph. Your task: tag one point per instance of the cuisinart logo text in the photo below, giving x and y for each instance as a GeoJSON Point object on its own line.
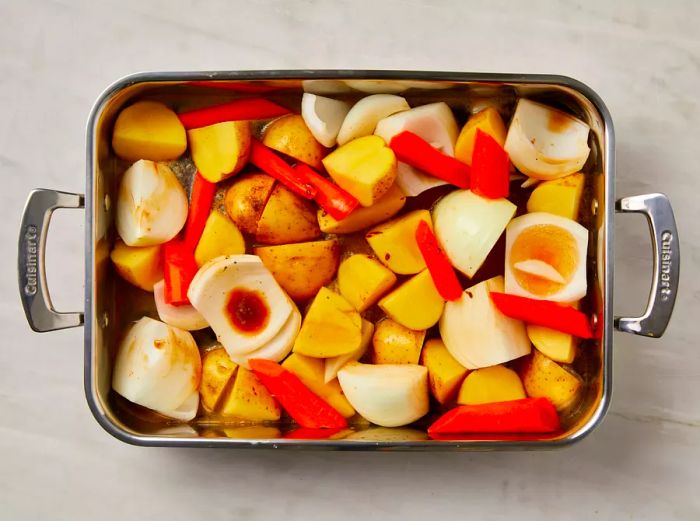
{"type": "Point", "coordinates": [30, 238]}
{"type": "Point", "coordinates": [666, 264]}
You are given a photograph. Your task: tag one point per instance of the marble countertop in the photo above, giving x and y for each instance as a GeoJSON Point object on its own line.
{"type": "Point", "coordinates": [643, 58]}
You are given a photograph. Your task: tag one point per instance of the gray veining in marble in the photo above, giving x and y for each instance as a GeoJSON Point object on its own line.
{"type": "Point", "coordinates": [643, 58]}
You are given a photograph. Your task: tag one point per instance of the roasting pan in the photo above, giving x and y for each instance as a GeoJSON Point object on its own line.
{"type": "Point", "coordinates": [107, 309]}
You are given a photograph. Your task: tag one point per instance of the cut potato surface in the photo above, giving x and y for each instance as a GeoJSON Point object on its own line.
{"type": "Point", "coordinates": [301, 268]}
{"type": "Point", "coordinates": [290, 135]}
{"type": "Point", "coordinates": [221, 150]}
{"type": "Point", "coordinates": [365, 167]}
{"type": "Point", "coordinates": [148, 130]}
{"type": "Point", "coordinates": [363, 217]}
{"type": "Point", "coordinates": [331, 327]}
{"type": "Point", "coordinates": [394, 243]}
{"type": "Point", "coordinates": [362, 280]}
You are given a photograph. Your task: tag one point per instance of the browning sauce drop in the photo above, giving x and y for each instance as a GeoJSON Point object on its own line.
{"type": "Point", "coordinates": [247, 311]}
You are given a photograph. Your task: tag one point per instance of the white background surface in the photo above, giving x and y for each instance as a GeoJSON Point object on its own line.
{"type": "Point", "coordinates": [642, 57]}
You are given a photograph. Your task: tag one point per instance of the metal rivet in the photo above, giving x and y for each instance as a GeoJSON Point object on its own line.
{"type": "Point", "coordinates": [105, 319]}
{"type": "Point", "coordinates": [594, 320]}
{"type": "Point", "coordinates": [108, 203]}
{"type": "Point", "coordinates": [594, 206]}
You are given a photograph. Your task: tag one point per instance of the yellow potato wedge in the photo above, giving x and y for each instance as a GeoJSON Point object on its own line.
{"type": "Point", "coordinates": [217, 370]}
{"type": "Point", "coordinates": [393, 343]}
{"type": "Point", "coordinates": [331, 327]}
{"type": "Point", "coordinates": [445, 374]}
{"type": "Point", "coordinates": [250, 400]}
{"type": "Point", "coordinates": [302, 268]}
{"type": "Point", "coordinates": [364, 217]}
{"type": "Point", "coordinates": [245, 200]}
{"type": "Point", "coordinates": [221, 150]}
{"type": "Point", "coordinates": [415, 304]}
{"type": "Point", "coordinates": [394, 242]}
{"type": "Point", "coordinates": [560, 196]}
{"type": "Point", "coordinates": [220, 237]}
{"type": "Point", "coordinates": [363, 280]}
{"type": "Point", "coordinates": [311, 373]}
{"type": "Point", "coordinates": [290, 135]}
{"type": "Point", "coordinates": [148, 130]}
{"type": "Point", "coordinates": [287, 218]}
{"type": "Point", "coordinates": [488, 121]}
{"type": "Point", "coordinates": [141, 266]}
{"type": "Point", "coordinates": [560, 347]}
{"type": "Point", "coordinates": [543, 377]}
{"type": "Point", "coordinates": [365, 167]}
{"type": "Point", "coordinates": [491, 384]}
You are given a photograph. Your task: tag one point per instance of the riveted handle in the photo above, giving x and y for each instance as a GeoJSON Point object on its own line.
{"type": "Point", "coordinates": [33, 290]}
{"type": "Point", "coordinates": [664, 287]}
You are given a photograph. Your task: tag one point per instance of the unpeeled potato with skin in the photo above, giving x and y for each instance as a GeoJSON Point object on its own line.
{"type": "Point", "coordinates": [303, 268]}
{"type": "Point", "coordinates": [287, 218]}
{"type": "Point", "coordinates": [290, 135]}
{"type": "Point", "coordinates": [246, 199]}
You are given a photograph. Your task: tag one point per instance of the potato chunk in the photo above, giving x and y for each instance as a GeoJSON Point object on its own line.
{"type": "Point", "coordinates": [445, 373]}
{"type": "Point", "coordinates": [393, 343]}
{"type": "Point", "coordinates": [365, 167]}
{"type": "Point", "coordinates": [302, 268]}
{"type": "Point", "coordinates": [148, 130]}
{"type": "Point", "coordinates": [363, 280]}
{"type": "Point", "coordinates": [142, 266]}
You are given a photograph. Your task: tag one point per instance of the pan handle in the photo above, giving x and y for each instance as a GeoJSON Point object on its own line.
{"type": "Point", "coordinates": [664, 286]}
{"type": "Point", "coordinates": [33, 290]}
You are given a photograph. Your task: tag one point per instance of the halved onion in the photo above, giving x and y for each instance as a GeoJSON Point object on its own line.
{"type": "Point", "coordinates": [187, 410]}
{"type": "Point", "coordinates": [467, 226]}
{"type": "Point", "coordinates": [185, 317]}
{"type": "Point", "coordinates": [158, 366]}
{"type": "Point", "coordinates": [541, 269]}
{"type": "Point", "coordinates": [280, 345]}
{"type": "Point", "coordinates": [546, 257]}
{"type": "Point", "coordinates": [477, 334]}
{"type": "Point", "coordinates": [151, 204]}
{"type": "Point", "coordinates": [362, 118]}
{"type": "Point", "coordinates": [436, 124]}
{"type": "Point", "coordinates": [389, 395]}
{"type": "Point", "coordinates": [546, 143]}
{"type": "Point", "coordinates": [323, 116]}
{"type": "Point", "coordinates": [245, 279]}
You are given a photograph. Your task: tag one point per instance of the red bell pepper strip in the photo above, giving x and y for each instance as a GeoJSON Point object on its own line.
{"type": "Point", "coordinates": [544, 313]}
{"type": "Point", "coordinates": [200, 203]}
{"type": "Point", "coordinates": [333, 199]}
{"type": "Point", "coordinates": [525, 415]}
{"type": "Point", "coordinates": [417, 152]}
{"type": "Point", "coordinates": [439, 266]}
{"type": "Point", "coordinates": [306, 408]}
{"type": "Point", "coordinates": [490, 175]}
{"type": "Point", "coordinates": [242, 109]}
{"type": "Point", "coordinates": [179, 268]}
{"type": "Point", "coordinates": [272, 164]}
